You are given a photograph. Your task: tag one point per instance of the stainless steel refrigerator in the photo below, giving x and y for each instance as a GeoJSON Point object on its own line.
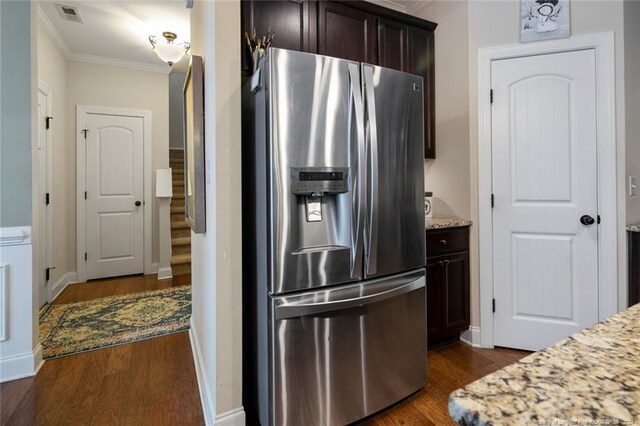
{"type": "Point", "coordinates": [334, 244]}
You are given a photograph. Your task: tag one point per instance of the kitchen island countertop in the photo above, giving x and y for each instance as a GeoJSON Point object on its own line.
{"type": "Point", "coordinates": [591, 377]}
{"type": "Point", "coordinates": [443, 222]}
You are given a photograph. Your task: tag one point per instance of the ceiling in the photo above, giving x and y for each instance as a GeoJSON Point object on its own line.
{"type": "Point", "coordinates": [116, 32]}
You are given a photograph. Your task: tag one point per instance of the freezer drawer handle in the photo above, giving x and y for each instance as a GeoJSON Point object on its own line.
{"type": "Point", "coordinates": [294, 311]}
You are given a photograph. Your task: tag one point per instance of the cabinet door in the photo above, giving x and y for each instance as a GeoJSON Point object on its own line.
{"type": "Point", "coordinates": [347, 33]}
{"type": "Point", "coordinates": [421, 62]}
{"type": "Point", "coordinates": [292, 21]}
{"type": "Point", "coordinates": [456, 298]}
{"type": "Point", "coordinates": [392, 44]}
{"type": "Point", "coordinates": [435, 299]}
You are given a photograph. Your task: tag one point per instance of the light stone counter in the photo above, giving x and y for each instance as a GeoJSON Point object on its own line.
{"type": "Point", "coordinates": [442, 222]}
{"type": "Point", "coordinates": [633, 228]}
{"type": "Point", "coordinates": [590, 378]}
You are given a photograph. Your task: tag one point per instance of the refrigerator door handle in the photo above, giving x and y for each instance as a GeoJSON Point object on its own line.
{"type": "Point", "coordinates": [358, 174]}
{"type": "Point", "coordinates": [306, 309]}
{"type": "Point", "coordinates": [372, 235]}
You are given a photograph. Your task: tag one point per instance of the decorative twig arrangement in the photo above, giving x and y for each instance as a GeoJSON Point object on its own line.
{"type": "Point", "coordinates": [258, 45]}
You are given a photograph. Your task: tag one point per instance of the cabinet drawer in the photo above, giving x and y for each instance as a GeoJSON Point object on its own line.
{"type": "Point", "coordinates": [447, 241]}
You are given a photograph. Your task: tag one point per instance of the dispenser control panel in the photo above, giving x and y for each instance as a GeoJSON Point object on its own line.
{"type": "Point", "coordinates": [319, 180]}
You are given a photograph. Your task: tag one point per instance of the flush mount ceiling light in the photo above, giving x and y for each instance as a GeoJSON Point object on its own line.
{"type": "Point", "coordinates": [169, 50]}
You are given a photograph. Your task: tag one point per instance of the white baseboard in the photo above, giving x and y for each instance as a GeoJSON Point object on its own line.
{"type": "Point", "coordinates": [165, 273]}
{"type": "Point", "coordinates": [207, 397]}
{"type": "Point", "coordinates": [21, 365]}
{"type": "Point", "coordinates": [62, 283]}
{"type": "Point", "coordinates": [471, 337]}
{"type": "Point", "coordinates": [38, 360]}
{"type": "Point", "coordinates": [231, 418]}
{"type": "Point", "coordinates": [154, 268]}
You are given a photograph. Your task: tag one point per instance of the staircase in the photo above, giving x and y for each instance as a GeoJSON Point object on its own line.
{"type": "Point", "coordinates": [180, 231]}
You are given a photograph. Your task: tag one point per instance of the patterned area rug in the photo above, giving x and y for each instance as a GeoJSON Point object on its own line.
{"type": "Point", "coordinates": [72, 328]}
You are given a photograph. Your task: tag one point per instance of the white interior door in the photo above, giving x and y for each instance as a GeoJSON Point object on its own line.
{"type": "Point", "coordinates": [115, 189]}
{"type": "Point", "coordinates": [43, 189]}
{"type": "Point", "coordinates": [544, 181]}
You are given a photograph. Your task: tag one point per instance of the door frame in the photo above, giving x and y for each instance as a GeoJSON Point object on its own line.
{"type": "Point", "coordinates": [606, 145]}
{"type": "Point", "coordinates": [81, 182]}
{"type": "Point", "coordinates": [44, 263]}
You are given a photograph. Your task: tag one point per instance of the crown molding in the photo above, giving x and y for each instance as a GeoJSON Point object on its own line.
{"type": "Point", "coordinates": [53, 34]}
{"type": "Point", "coordinates": [103, 60]}
{"type": "Point", "coordinates": [417, 6]}
{"type": "Point", "coordinates": [57, 39]}
{"type": "Point", "coordinates": [390, 4]}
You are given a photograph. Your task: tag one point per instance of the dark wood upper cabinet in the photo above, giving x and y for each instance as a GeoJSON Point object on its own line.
{"type": "Point", "coordinates": [355, 30]}
{"type": "Point", "coordinates": [421, 62]}
{"type": "Point", "coordinates": [392, 44]}
{"type": "Point", "coordinates": [347, 33]}
{"type": "Point", "coordinates": [292, 21]}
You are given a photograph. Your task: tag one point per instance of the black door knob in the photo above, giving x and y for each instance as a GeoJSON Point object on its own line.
{"type": "Point", "coordinates": [587, 220]}
{"type": "Point", "coordinates": [139, 203]}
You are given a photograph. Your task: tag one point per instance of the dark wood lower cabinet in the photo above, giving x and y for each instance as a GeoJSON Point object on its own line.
{"type": "Point", "coordinates": [634, 267]}
{"type": "Point", "coordinates": [448, 295]}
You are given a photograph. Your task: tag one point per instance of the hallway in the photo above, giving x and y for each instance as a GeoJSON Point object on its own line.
{"type": "Point", "coordinates": [147, 382]}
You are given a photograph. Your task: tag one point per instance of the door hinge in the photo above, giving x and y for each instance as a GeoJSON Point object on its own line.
{"type": "Point", "coordinates": [493, 200]}
{"type": "Point", "coordinates": [85, 131]}
{"type": "Point", "coordinates": [85, 195]}
{"type": "Point", "coordinates": [598, 219]}
{"type": "Point", "coordinates": [85, 256]}
{"type": "Point", "coordinates": [47, 199]}
{"type": "Point", "coordinates": [48, 122]}
{"type": "Point", "coordinates": [46, 274]}
{"type": "Point", "coordinates": [491, 96]}
{"type": "Point", "coordinates": [493, 305]}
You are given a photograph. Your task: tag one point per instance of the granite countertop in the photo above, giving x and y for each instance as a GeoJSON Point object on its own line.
{"type": "Point", "coordinates": [592, 377]}
{"type": "Point", "coordinates": [440, 222]}
{"type": "Point", "coordinates": [634, 228]}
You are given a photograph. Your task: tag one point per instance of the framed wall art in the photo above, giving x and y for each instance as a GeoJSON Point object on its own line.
{"type": "Point", "coordinates": [194, 162]}
{"type": "Point", "coordinates": [544, 20]}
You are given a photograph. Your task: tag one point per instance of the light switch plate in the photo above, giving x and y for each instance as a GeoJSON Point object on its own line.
{"type": "Point", "coordinates": [632, 185]}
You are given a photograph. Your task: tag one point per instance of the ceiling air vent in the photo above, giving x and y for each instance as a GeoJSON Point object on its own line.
{"type": "Point", "coordinates": [69, 13]}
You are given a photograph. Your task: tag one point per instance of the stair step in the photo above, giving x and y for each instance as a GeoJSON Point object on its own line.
{"type": "Point", "coordinates": [180, 259]}
{"type": "Point", "coordinates": [179, 225]}
{"type": "Point", "coordinates": [177, 209]}
{"type": "Point", "coordinates": [181, 249]}
{"type": "Point", "coordinates": [183, 269]}
{"type": "Point", "coordinates": [180, 241]}
{"type": "Point", "coordinates": [177, 217]}
{"type": "Point", "coordinates": [181, 233]}
{"type": "Point", "coordinates": [178, 196]}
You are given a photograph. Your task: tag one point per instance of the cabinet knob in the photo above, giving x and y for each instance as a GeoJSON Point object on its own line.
{"type": "Point", "coordinates": [443, 242]}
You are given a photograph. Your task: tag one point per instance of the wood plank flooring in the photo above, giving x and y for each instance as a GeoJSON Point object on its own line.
{"type": "Point", "coordinates": [153, 382]}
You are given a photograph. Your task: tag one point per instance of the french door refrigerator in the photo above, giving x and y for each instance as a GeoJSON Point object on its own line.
{"type": "Point", "coordinates": [334, 246]}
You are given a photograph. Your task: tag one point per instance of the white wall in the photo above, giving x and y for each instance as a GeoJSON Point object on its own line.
{"type": "Point", "coordinates": [52, 71]}
{"type": "Point", "coordinates": [632, 101]}
{"type": "Point", "coordinates": [20, 354]}
{"type": "Point", "coordinates": [216, 255]}
{"type": "Point", "coordinates": [115, 87]}
{"type": "Point", "coordinates": [176, 110]}
{"type": "Point", "coordinates": [448, 175]}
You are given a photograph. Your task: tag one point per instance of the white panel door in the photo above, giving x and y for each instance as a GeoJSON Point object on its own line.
{"type": "Point", "coordinates": [43, 188]}
{"type": "Point", "coordinates": [544, 181]}
{"type": "Point", "coordinates": [115, 209]}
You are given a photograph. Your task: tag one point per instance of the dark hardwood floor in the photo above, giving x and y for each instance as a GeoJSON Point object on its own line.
{"type": "Point", "coordinates": [450, 367]}
{"type": "Point", "coordinates": [153, 382]}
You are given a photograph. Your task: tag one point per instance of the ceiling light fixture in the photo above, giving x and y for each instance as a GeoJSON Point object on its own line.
{"type": "Point", "coordinates": [169, 50]}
